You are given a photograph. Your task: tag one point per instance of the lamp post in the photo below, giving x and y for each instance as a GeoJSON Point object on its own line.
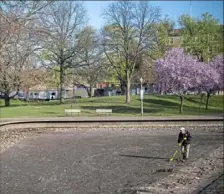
{"type": "Point", "coordinates": [141, 96]}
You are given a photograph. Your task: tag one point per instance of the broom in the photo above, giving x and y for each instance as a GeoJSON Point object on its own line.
{"type": "Point", "coordinates": [175, 153]}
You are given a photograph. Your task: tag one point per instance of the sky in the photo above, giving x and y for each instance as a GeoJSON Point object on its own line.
{"type": "Point", "coordinates": [173, 9]}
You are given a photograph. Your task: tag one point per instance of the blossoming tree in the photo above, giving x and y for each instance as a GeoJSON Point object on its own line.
{"type": "Point", "coordinates": [179, 72]}
{"type": "Point", "coordinates": [209, 81]}
{"type": "Point", "coordinates": [218, 64]}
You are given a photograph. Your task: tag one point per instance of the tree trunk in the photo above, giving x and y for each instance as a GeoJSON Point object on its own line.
{"type": "Point", "coordinates": [148, 88]}
{"type": "Point", "coordinates": [122, 87]}
{"type": "Point", "coordinates": [87, 90]}
{"type": "Point", "coordinates": [91, 91]}
{"type": "Point", "coordinates": [58, 91]}
{"type": "Point", "coordinates": [207, 99]}
{"type": "Point", "coordinates": [61, 84]}
{"type": "Point", "coordinates": [128, 95]}
{"type": "Point", "coordinates": [27, 95]}
{"type": "Point", "coordinates": [73, 89]}
{"type": "Point", "coordinates": [161, 89]}
{"type": "Point", "coordinates": [181, 104]}
{"type": "Point", "coordinates": [7, 101]}
{"type": "Point", "coordinates": [201, 97]}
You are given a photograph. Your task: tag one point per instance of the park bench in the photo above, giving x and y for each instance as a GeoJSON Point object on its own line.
{"type": "Point", "coordinates": [71, 111]}
{"type": "Point", "coordinates": [104, 111]}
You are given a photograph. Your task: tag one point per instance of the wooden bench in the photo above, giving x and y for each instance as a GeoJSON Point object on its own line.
{"type": "Point", "coordinates": [104, 111]}
{"type": "Point", "coordinates": [71, 111]}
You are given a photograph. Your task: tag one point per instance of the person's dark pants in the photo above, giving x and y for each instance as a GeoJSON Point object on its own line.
{"type": "Point", "coordinates": [185, 149]}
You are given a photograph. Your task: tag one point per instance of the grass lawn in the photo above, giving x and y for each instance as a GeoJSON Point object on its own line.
{"type": "Point", "coordinates": [155, 105]}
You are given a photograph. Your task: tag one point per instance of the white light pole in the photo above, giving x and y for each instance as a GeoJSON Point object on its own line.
{"type": "Point", "coordinates": [141, 96]}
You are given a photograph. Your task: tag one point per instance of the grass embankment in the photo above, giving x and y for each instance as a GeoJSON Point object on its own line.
{"type": "Point", "coordinates": [154, 105]}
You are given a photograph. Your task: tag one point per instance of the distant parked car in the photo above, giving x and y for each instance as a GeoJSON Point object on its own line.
{"type": "Point", "coordinates": [118, 93]}
{"type": "Point", "coordinates": [21, 96]}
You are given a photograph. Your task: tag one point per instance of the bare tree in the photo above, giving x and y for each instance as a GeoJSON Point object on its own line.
{"type": "Point", "coordinates": [89, 76]}
{"type": "Point", "coordinates": [18, 17]}
{"type": "Point", "coordinates": [128, 35]}
{"type": "Point", "coordinates": [91, 54]}
{"type": "Point", "coordinates": [159, 46]}
{"type": "Point", "coordinates": [32, 75]}
{"type": "Point", "coordinates": [146, 70]}
{"type": "Point", "coordinates": [61, 22]}
{"type": "Point", "coordinates": [14, 66]}
{"type": "Point", "coordinates": [52, 78]}
{"type": "Point", "coordinates": [17, 43]}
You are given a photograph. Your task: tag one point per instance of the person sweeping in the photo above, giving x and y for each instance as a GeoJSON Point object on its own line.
{"type": "Point", "coordinates": [184, 140]}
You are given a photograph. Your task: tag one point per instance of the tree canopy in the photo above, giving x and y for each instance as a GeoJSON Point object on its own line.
{"type": "Point", "coordinates": [128, 35]}
{"type": "Point", "coordinates": [179, 72]}
{"type": "Point", "coordinates": [202, 37]}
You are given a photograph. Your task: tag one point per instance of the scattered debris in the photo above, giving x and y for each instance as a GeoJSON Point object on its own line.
{"type": "Point", "coordinates": [191, 178]}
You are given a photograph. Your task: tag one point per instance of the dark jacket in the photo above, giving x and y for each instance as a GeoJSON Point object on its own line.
{"type": "Point", "coordinates": [182, 136]}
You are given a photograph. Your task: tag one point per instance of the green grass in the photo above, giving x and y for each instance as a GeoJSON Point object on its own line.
{"type": "Point", "coordinates": [155, 105]}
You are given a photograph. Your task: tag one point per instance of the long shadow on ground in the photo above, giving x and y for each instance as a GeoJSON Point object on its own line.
{"type": "Point", "coordinates": [121, 109]}
{"type": "Point", "coordinates": [39, 103]}
{"type": "Point", "coordinates": [194, 101]}
{"type": "Point", "coordinates": [161, 102]}
{"type": "Point", "coordinates": [146, 157]}
{"type": "Point", "coordinates": [166, 104]}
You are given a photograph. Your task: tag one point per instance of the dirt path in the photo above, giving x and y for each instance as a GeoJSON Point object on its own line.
{"type": "Point", "coordinates": [96, 161]}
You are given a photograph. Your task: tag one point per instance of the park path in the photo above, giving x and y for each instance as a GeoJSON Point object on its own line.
{"type": "Point", "coordinates": [98, 161]}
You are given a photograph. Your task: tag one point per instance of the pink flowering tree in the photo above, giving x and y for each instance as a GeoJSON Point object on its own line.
{"type": "Point", "coordinates": [209, 80]}
{"type": "Point", "coordinates": [178, 72]}
{"type": "Point", "coordinates": [218, 64]}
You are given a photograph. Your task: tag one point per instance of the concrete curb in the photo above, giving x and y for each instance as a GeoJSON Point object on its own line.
{"type": "Point", "coordinates": [110, 119]}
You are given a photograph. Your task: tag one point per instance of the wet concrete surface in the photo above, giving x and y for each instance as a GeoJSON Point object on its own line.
{"type": "Point", "coordinates": [93, 162]}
